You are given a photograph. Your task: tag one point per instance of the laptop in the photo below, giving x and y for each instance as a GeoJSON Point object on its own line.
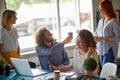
{"type": "Point", "coordinates": [22, 67]}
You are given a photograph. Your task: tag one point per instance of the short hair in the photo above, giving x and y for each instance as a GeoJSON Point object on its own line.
{"type": "Point", "coordinates": [90, 64]}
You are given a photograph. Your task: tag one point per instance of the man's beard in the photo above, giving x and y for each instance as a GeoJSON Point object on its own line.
{"type": "Point", "coordinates": [49, 40]}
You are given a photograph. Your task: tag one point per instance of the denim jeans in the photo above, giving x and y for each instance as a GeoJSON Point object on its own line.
{"type": "Point", "coordinates": [108, 57]}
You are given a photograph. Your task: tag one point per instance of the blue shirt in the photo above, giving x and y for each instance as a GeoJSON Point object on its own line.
{"type": "Point", "coordinates": [110, 28]}
{"type": "Point", "coordinates": [55, 55]}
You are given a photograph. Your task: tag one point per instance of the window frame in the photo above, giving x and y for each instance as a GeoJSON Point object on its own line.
{"type": "Point", "coordinates": [77, 8]}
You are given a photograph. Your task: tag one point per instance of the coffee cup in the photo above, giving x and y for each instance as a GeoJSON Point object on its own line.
{"type": "Point", "coordinates": [57, 74]}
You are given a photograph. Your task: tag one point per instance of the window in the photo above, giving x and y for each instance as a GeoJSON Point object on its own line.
{"type": "Point", "coordinates": [86, 14]}
{"type": "Point", "coordinates": [61, 17]}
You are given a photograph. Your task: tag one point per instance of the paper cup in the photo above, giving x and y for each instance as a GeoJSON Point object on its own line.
{"type": "Point", "coordinates": [57, 74]}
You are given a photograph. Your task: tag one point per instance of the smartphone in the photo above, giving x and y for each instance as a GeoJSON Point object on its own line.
{"type": "Point", "coordinates": [70, 34]}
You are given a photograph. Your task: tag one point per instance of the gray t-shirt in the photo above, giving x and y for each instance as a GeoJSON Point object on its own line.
{"type": "Point", "coordinates": [9, 39]}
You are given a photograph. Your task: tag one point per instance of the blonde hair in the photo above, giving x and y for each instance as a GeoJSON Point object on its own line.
{"type": "Point", "coordinates": [7, 14]}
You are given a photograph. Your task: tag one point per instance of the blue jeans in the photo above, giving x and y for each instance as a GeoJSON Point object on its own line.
{"type": "Point", "coordinates": [108, 57]}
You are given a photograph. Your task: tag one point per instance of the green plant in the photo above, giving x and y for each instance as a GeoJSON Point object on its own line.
{"type": "Point", "coordinates": [1, 62]}
{"type": "Point", "coordinates": [90, 64]}
{"type": "Point", "coordinates": [1, 66]}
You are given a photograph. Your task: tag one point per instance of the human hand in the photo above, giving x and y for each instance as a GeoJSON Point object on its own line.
{"type": "Point", "coordinates": [67, 40]}
{"type": "Point", "coordinates": [91, 50]}
{"type": "Point", "coordinates": [98, 39]}
{"type": "Point", "coordinates": [52, 67]}
{"type": "Point", "coordinates": [60, 66]}
{"type": "Point", "coordinates": [95, 38]}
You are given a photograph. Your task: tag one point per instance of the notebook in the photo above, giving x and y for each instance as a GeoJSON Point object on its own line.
{"type": "Point", "coordinates": [22, 67]}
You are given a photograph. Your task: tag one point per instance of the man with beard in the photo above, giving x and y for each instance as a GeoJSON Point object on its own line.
{"type": "Point", "coordinates": [49, 51]}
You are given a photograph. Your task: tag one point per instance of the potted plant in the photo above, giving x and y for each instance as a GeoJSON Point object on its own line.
{"type": "Point", "coordinates": [1, 65]}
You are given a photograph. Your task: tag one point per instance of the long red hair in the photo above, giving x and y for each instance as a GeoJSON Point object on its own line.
{"type": "Point", "coordinates": [108, 9]}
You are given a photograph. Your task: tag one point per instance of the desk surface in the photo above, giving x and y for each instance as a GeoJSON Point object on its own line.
{"type": "Point", "coordinates": [51, 75]}
{"type": "Point", "coordinates": [14, 76]}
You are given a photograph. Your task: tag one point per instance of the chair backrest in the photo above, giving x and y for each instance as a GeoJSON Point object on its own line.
{"type": "Point", "coordinates": [118, 53]}
{"type": "Point", "coordinates": [109, 69]}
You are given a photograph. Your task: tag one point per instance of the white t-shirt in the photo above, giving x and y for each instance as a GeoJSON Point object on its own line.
{"type": "Point", "coordinates": [9, 39]}
{"type": "Point", "coordinates": [79, 59]}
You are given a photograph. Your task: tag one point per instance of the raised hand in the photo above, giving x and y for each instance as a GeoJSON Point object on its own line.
{"type": "Point", "coordinates": [98, 39]}
{"type": "Point", "coordinates": [91, 50]}
{"type": "Point", "coordinates": [67, 40]}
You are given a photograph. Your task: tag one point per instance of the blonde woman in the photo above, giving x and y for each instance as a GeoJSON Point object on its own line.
{"type": "Point", "coordinates": [9, 46]}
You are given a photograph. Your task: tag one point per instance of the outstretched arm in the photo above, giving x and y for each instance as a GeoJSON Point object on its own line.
{"type": "Point", "coordinates": [67, 40]}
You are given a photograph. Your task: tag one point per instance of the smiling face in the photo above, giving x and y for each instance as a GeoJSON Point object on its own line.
{"type": "Point", "coordinates": [48, 36]}
{"type": "Point", "coordinates": [85, 40]}
{"type": "Point", "coordinates": [80, 43]}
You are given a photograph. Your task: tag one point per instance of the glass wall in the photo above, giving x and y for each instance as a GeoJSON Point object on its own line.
{"type": "Point", "coordinates": [86, 14]}
{"type": "Point", "coordinates": [67, 18]}
{"type": "Point", "coordinates": [61, 17]}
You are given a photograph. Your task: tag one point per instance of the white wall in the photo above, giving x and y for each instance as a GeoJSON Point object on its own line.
{"type": "Point", "coordinates": [116, 4]}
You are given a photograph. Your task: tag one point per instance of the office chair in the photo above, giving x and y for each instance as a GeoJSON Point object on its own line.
{"type": "Point", "coordinates": [117, 62]}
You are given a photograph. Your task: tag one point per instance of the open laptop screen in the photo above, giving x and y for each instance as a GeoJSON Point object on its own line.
{"type": "Point", "coordinates": [22, 67]}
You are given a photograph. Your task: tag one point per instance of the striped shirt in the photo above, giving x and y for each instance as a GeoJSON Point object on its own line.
{"type": "Point", "coordinates": [108, 28]}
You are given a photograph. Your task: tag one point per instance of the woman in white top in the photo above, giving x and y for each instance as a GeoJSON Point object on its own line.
{"type": "Point", "coordinates": [9, 46]}
{"type": "Point", "coordinates": [85, 47]}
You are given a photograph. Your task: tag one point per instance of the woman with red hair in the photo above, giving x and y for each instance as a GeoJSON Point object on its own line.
{"type": "Point", "coordinates": [107, 34]}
